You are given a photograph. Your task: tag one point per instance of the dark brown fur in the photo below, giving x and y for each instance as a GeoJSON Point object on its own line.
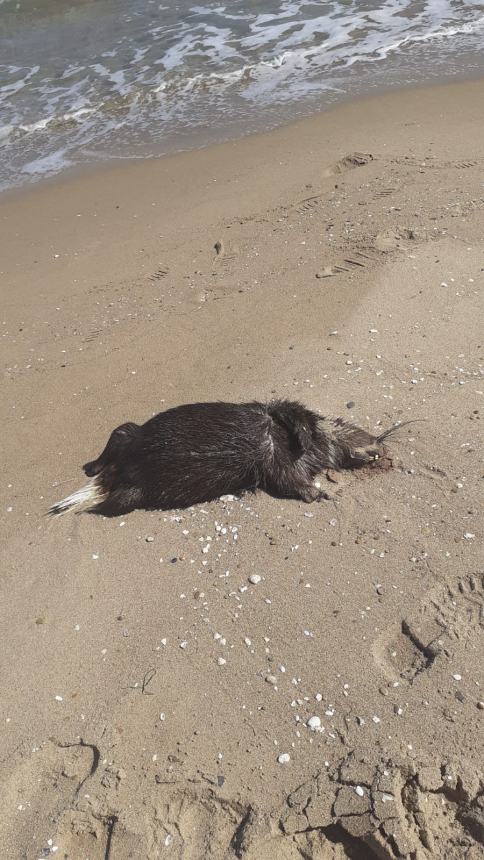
{"type": "Point", "coordinates": [200, 451]}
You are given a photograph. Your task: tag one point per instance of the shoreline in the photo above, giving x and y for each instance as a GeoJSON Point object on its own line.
{"type": "Point", "coordinates": [150, 78]}
{"type": "Point", "coordinates": [115, 163]}
{"type": "Point", "coordinates": [204, 175]}
{"type": "Point", "coordinates": [349, 276]}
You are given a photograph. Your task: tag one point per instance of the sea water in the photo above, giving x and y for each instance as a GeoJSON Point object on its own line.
{"type": "Point", "coordinates": [85, 81]}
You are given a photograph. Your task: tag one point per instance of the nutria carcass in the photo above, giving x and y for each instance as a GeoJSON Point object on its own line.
{"type": "Point", "coordinates": [201, 451]}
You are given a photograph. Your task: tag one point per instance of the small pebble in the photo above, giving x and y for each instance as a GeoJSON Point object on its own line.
{"type": "Point", "coordinates": [314, 723]}
{"type": "Point", "coordinates": [376, 719]}
{"type": "Point", "coordinates": [271, 679]}
{"type": "Point", "coordinates": [350, 404]}
{"type": "Point", "coordinates": [221, 661]}
{"type": "Point", "coordinates": [359, 791]}
{"type": "Point", "coordinates": [457, 677]}
{"type": "Point", "coordinates": [254, 578]}
{"type": "Point", "coordinates": [283, 758]}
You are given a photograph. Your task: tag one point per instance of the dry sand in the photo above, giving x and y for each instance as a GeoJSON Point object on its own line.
{"type": "Point", "coordinates": [341, 279]}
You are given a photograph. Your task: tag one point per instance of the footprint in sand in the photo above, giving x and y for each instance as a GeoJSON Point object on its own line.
{"type": "Point", "coordinates": [196, 824]}
{"type": "Point", "coordinates": [308, 205]}
{"type": "Point", "coordinates": [455, 612]}
{"type": "Point", "coordinates": [40, 785]}
{"type": "Point", "coordinates": [80, 834]}
{"type": "Point", "coordinates": [462, 607]}
{"type": "Point", "coordinates": [400, 654]}
{"type": "Point", "coordinates": [391, 240]}
{"type": "Point", "coordinates": [92, 335]}
{"type": "Point", "coordinates": [384, 192]}
{"type": "Point", "coordinates": [357, 260]}
{"type": "Point", "coordinates": [463, 165]}
{"type": "Point", "coordinates": [183, 823]}
{"type": "Point", "coordinates": [349, 162]}
{"type": "Point", "coordinates": [159, 274]}
{"type": "Point", "coordinates": [225, 254]}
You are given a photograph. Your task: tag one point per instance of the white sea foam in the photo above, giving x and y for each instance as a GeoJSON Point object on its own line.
{"type": "Point", "coordinates": [6, 131]}
{"type": "Point", "coordinates": [47, 164]}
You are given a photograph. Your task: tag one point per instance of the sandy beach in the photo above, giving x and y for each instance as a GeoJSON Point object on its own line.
{"type": "Point", "coordinates": [156, 667]}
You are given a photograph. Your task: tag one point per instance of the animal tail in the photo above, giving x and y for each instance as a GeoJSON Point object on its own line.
{"type": "Point", "coordinates": [84, 499]}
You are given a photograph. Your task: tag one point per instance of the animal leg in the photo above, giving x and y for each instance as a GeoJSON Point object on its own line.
{"type": "Point", "coordinates": [313, 494]}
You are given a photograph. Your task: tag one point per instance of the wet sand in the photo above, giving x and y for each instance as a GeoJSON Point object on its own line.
{"type": "Point", "coordinates": [350, 276]}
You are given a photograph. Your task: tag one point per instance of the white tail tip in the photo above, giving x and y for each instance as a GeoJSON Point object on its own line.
{"type": "Point", "coordinates": [82, 500]}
